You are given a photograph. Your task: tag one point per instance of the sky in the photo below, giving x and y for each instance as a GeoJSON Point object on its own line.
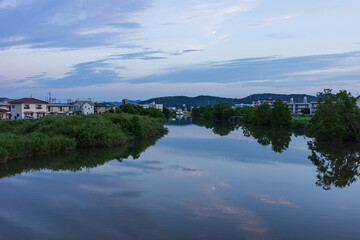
{"type": "Point", "coordinates": [138, 49]}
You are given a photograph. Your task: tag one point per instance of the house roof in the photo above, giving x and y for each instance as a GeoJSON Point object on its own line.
{"type": "Point", "coordinates": [104, 105]}
{"type": "Point", "coordinates": [27, 100]}
{"type": "Point", "coordinates": [10, 100]}
{"type": "Point", "coordinates": [83, 102]}
{"type": "Point", "coordinates": [58, 104]}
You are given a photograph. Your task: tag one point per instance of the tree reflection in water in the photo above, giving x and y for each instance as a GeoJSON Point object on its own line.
{"type": "Point", "coordinates": [77, 160]}
{"type": "Point", "coordinates": [278, 138]}
{"type": "Point", "coordinates": [221, 128]}
{"type": "Point", "coordinates": [337, 164]}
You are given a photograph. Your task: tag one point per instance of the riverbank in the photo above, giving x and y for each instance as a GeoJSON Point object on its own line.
{"type": "Point", "coordinates": [25, 138]}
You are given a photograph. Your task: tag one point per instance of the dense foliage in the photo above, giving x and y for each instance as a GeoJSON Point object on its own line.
{"type": "Point", "coordinates": [178, 101]}
{"type": "Point", "coordinates": [139, 110]}
{"type": "Point", "coordinates": [56, 133]}
{"type": "Point", "coordinates": [337, 117]}
{"type": "Point", "coordinates": [264, 115]}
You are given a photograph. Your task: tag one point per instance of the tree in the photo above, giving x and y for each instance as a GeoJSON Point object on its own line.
{"type": "Point", "coordinates": [261, 115]}
{"type": "Point", "coordinates": [305, 111]}
{"type": "Point", "coordinates": [280, 114]}
{"type": "Point", "coordinates": [219, 109]}
{"type": "Point", "coordinates": [337, 117]}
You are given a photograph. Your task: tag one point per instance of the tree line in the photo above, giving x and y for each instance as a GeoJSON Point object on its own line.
{"type": "Point", "coordinates": [337, 116]}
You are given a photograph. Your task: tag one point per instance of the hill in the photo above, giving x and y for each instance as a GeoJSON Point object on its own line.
{"type": "Point", "coordinates": [177, 101]}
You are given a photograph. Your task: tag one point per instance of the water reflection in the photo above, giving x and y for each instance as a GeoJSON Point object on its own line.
{"type": "Point", "coordinates": [337, 164]}
{"type": "Point", "coordinates": [76, 161]}
{"type": "Point", "coordinates": [279, 139]}
{"type": "Point", "coordinates": [221, 128]}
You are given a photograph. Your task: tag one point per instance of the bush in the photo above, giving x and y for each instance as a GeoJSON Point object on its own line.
{"type": "Point", "coordinates": [57, 133]}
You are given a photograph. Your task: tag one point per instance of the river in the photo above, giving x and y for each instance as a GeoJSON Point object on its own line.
{"type": "Point", "coordinates": [194, 183]}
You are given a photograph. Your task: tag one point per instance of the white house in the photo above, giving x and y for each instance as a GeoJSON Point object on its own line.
{"type": "Point", "coordinates": [268, 101]}
{"type": "Point", "coordinates": [27, 108]}
{"type": "Point", "coordinates": [4, 110]}
{"type": "Point", "coordinates": [82, 107]}
{"type": "Point", "coordinates": [58, 109]}
{"type": "Point", "coordinates": [153, 105]}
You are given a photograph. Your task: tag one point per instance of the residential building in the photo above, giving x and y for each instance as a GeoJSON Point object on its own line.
{"type": "Point", "coordinates": [153, 105]}
{"type": "Point", "coordinates": [4, 110]}
{"type": "Point", "coordinates": [296, 108]}
{"type": "Point", "coordinates": [241, 105]}
{"type": "Point", "coordinates": [82, 107]}
{"type": "Point", "coordinates": [58, 109]}
{"type": "Point", "coordinates": [258, 102]}
{"type": "Point", "coordinates": [358, 101]}
{"type": "Point", "coordinates": [27, 108]}
{"type": "Point", "coordinates": [103, 107]}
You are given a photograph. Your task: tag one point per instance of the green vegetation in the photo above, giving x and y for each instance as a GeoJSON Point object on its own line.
{"type": "Point", "coordinates": [300, 123]}
{"type": "Point", "coordinates": [58, 133]}
{"type": "Point", "coordinates": [279, 115]}
{"type": "Point", "coordinates": [139, 110]}
{"type": "Point", "coordinates": [337, 117]}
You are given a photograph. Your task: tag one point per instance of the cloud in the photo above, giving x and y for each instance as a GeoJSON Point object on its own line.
{"type": "Point", "coordinates": [144, 55]}
{"type": "Point", "coordinates": [266, 198]}
{"type": "Point", "coordinates": [103, 79]}
{"type": "Point", "coordinates": [82, 74]}
{"type": "Point", "coordinates": [149, 54]}
{"type": "Point", "coordinates": [272, 20]}
{"type": "Point", "coordinates": [222, 8]}
{"type": "Point", "coordinates": [44, 24]}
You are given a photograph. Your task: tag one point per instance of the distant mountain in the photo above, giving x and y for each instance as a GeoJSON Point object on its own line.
{"type": "Point", "coordinates": [202, 100]}
{"type": "Point", "coordinates": [130, 101]}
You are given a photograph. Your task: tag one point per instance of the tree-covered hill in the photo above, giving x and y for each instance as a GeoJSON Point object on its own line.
{"type": "Point", "coordinates": [202, 100]}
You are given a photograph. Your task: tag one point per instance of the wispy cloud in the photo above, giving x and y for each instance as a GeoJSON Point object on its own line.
{"type": "Point", "coordinates": [44, 24]}
{"type": "Point", "coordinates": [273, 20]}
{"type": "Point", "coordinates": [266, 198]}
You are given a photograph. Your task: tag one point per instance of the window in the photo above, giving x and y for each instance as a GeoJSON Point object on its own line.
{"type": "Point", "coordinates": [26, 106]}
{"type": "Point", "coordinates": [38, 107]}
{"type": "Point", "coordinates": [61, 109]}
{"type": "Point", "coordinates": [13, 106]}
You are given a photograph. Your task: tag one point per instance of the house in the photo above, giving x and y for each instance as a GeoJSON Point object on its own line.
{"type": "Point", "coordinates": [358, 101]}
{"type": "Point", "coordinates": [27, 108]}
{"type": "Point", "coordinates": [297, 108]}
{"type": "Point", "coordinates": [58, 109]}
{"type": "Point", "coordinates": [82, 107]}
{"type": "Point", "coordinates": [4, 110]}
{"type": "Point", "coordinates": [103, 107]}
{"type": "Point", "coordinates": [154, 105]}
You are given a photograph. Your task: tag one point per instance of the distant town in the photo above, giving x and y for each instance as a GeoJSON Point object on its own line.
{"type": "Point", "coordinates": [32, 108]}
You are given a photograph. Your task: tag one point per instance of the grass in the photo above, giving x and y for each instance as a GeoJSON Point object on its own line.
{"type": "Point", "coordinates": [300, 123]}
{"type": "Point", "coordinates": [58, 133]}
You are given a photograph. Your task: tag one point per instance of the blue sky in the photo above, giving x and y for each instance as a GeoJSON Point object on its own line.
{"type": "Point", "coordinates": [138, 49]}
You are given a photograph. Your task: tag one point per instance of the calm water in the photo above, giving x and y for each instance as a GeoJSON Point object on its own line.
{"type": "Point", "coordinates": [191, 184]}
